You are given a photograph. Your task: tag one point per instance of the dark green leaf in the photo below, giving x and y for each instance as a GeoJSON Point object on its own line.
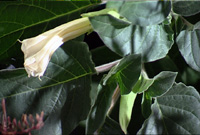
{"type": "Point", "coordinates": [176, 112]}
{"type": "Point", "coordinates": [186, 8]}
{"type": "Point", "coordinates": [153, 41]}
{"type": "Point", "coordinates": [126, 73]}
{"type": "Point", "coordinates": [111, 127]}
{"type": "Point", "coordinates": [146, 105]}
{"type": "Point", "coordinates": [162, 83]}
{"type": "Point", "coordinates": [98, 112]}
{"type": "Point", "coordinates": [63, 92]}
{"type": "Point", "coordinates": [142, 13]}
{"type": "Point", "coordinates": [125, 110]}
{"type": "Point", "coordinates": [189, 46]}
{"type": "Point", "coordinates": [20, 20]}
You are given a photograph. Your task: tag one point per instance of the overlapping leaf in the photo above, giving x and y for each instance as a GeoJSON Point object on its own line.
{"type": "Point", "coordinates": [63, 94]}
{"type": "Point", "coordinates": [176, 112]}
{"type": "Point", "coordinates": [189, 46]}
{"type": "Point", "coordinates": [186, 8]}
{"type": "Point", "coordinates": [153, 41]}
{"type": "Point", "coordinates": [20, 20]}
{"type": "Point", "coordinates": [142, 13]}
{"type": "Point", "coordinates": [126, 74]}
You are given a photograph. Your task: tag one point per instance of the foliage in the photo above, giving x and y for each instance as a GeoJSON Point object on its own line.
{"type": "Point", "coordinates": [152, 50]}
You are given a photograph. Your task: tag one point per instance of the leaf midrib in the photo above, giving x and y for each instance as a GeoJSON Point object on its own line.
{"type": "Point", "coordinates": [47, 20]}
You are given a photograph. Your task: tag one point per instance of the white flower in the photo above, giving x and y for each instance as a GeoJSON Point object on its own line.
{"type": "Point", "coordinates": [38, 50]}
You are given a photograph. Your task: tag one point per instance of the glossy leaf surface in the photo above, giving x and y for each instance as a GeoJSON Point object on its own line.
{"type": "Point", "coordinates": [20, 20]}
{"type": "Point", "coordinates": [152, 42]}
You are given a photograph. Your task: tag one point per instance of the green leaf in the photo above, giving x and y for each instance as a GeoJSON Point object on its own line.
{"type": "Point", "coordinates": [125, 110]}
{"type": "Point", "coordinates": [99, 110]}
{"type": "Point", "coordinates": [126, 73]}
{"type": "Point", "coordinates": [190, 76]}
{"type": "Point", "coordinates": [20, 20]}
{"type": "Point", "coordinates": [186, 8]}
{"type": "Point", "coordinates": [189, 46]}
{"type": "Point", "coordinates": [146, 104]}
{"type": "Point", "coordinates": [142, 13]}
{"type": "Point", "coordinates": [176, 112]}
{"type": "Point", "coordinates": [63, 94]}
{"type": "Point", "coordinates": [143, 83]}
{"type": "Point", "coordinates": [111, 127]}
{"type": "Point", "coordinates": [162, 83]}
{"type": "Point", "coordinates": [153, 41]}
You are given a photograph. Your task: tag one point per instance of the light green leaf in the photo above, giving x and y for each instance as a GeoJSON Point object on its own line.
{"type": "Point", "coordinates": [125, 110]}
{"type": "Point", "coordinates": [176, 112]}
{"type": "Point", "coordinates": [153, 41]}
{"type": "Point", "coordinates": [189, 46]}
{"type": "Point", "coordinates": [186, 8]}
{"type": "Point", "coordinates": [142, 84]}
{"type": "Point", "coordinates": [63, 94]}
{"type": "Point", "coordinates": [142, 13]}
{"type": "Point", "coordinates": [20, 20]}
{"type": "Point", "coordinates": [162, 83]}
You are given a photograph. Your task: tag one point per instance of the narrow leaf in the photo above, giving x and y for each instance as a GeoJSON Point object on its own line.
{"type": "Point", "coordinates": [125, 110]}
{"type": "Point", "coordinates": [98, 112]}
{"type": "Point", "coordinates": [146, 104]}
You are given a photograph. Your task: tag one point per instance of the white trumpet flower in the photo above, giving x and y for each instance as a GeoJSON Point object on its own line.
{"type": "Point", "coordinates": [38, 50]}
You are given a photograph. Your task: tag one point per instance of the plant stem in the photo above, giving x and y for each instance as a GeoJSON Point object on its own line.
{"type": "Point", "coordinates": [106, 67]}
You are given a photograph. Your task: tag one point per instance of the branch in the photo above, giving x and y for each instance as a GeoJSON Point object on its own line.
{"type": "Point", "coordinates": [106, 67]}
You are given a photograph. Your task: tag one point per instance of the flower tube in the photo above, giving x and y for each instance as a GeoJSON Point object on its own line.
{"type": "Point", "coordinates": [38, 50]}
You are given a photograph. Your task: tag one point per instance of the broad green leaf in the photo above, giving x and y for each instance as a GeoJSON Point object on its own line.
{"type": "Point", "coordinates": [111, 127]}
{"type": "Point", "coordinates": [186, 8]}
{"type": "Point", "coordinates": [99, 110]}
{"type": "Point", "coordinates": [142, 84]}
{"type": "Point", "coordinates": [126, 73]}
{"type": "Point", "coordinates": [162, 83]}
{"type": "Point", "coordinates": [142, 13]}
{"type": "Point", "coordinates": [146, 104]}
{"type": "Point", "coordinates": [189, 46]}
{"type": "Point", "coordinates": [63, 94]}
{"type": "Point", "coordinates": [20, 20]}
{"type": "Point", "coordinates": [153, 41]}
{"type": "Point", "coordinates": [125, 110]}
{"type": "Point", "coordinates": [176, 112]}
